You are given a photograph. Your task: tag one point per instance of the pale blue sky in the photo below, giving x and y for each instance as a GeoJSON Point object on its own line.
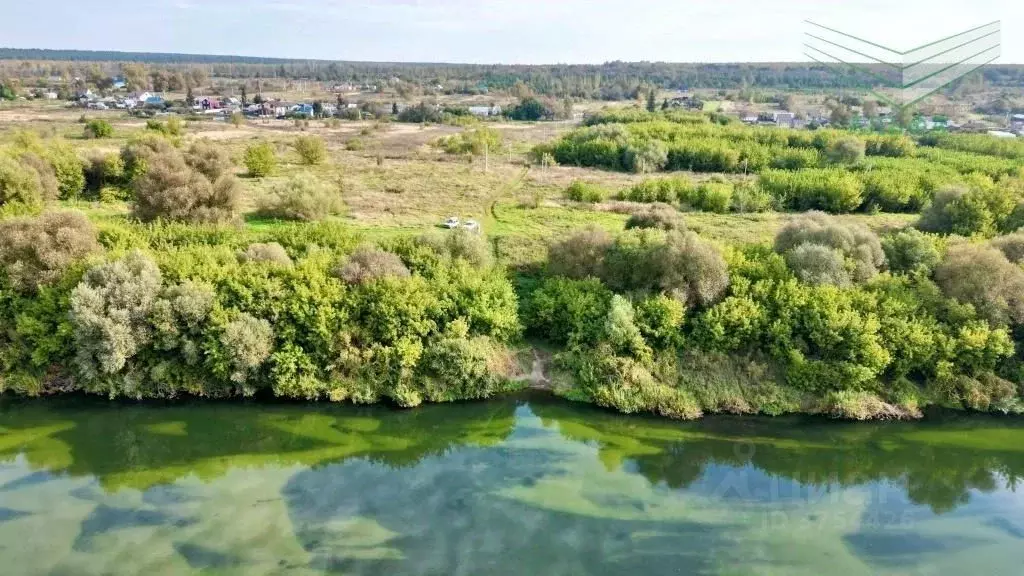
{"type": "Point", "coordinates": [489, 31]}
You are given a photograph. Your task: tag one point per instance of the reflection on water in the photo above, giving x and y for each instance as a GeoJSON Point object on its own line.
{"type": "Point", "coordinates": [516, 486]}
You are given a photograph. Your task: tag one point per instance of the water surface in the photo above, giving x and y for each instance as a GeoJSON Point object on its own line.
{"type": "Point", "coordinates": [516, 486]}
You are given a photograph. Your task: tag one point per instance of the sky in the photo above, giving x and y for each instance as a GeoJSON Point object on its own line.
{"type": "Point", "coordinates": [495, 31]}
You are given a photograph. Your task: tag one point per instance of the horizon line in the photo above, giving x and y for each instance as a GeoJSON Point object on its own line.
{"type": "Point", "coordinates": [283, 60]}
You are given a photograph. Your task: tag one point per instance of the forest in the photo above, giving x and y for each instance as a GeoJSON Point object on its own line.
{"type": "Point", "coordinates": [608, 81]}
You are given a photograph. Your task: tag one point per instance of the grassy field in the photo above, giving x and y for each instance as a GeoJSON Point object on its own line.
{"type": "Point", "coordinates": [394, 181]}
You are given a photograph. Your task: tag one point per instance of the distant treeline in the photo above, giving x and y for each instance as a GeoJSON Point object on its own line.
{"type": "Point", "coordinates": [610, 81]}
{"type": "Point", "coordinates": [114, 56]}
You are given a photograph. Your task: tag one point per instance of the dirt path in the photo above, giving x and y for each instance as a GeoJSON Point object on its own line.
{"type": "Point", "coordinates": [511, 186]}
{"type": "Point", "coordinates": [538, 377]}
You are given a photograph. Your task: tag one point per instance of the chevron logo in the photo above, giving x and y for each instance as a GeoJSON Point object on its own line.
{"type": "Point", "coordinates": [903, 78]}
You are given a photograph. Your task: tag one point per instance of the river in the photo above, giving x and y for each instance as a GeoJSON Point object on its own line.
{"type": "Point", "coordinates": [526, 485]}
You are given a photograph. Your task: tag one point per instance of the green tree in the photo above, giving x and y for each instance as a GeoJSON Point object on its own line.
{"type": "Point", "coordinates": [260, 159]}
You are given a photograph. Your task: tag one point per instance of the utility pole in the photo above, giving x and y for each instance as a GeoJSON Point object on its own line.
{"type": "Point", "coordinates": [486, 157]}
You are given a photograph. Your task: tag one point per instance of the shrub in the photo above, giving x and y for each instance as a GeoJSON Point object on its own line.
{"type": "Point", "coordinates": [460, 368]}
{"type": "Point", "coordinates": [237, 119]}
{"type": "Point", "coordinates": [476, 142]}
{"type": "Point", "coordinates": [580, 191]}
{"type": "Point", "coordinates": [894, 190]}
{"type": "Point", "coordinates": [691, 267]}
{"type": "Point", "coordinates": [910, 251]}
{"type": "Point", "coordinates": [248, 342]}
{"type": "Point", "coordinates": [355, 145]}
{"type": "Point", "coordinates": [981, 210]}
{"type": "Point", "coordinates": [565, 310]}
{"type": "Point", "coordinates": [859, 246]}
{"type": "Point", "coordinates": [98, 128]}
{"type": "Point", "coordinates": [711, 196]}
{"type": "Point", "coordinates": [109, 311]}
{"type": "Point", "coordinates": [657, 216]}
{"type": "Point", "coordinates": [270, 252]}
{"type": "Point", "coordinates": [137, 154]}
{"type": "Point", "coordinates": [627, 385]}
{"type": "Point", "coordinates": [260, 159]}
{"type": "Point", "coordinates": [173, 126]}
{"type": "Point", "coordinates": [460, 244]}
{"type": "Point", "coordinates": [857, 405]}
{"type": "Point", "coordinates": [68, 169]}
{"type": "Point", "coordinates": [749, 197]}
{"type": "Point", "coordinates": [178, 317]}
{"type": "Point", "coordinates": [580, 255]}
{"type": "Point", "coordinates": [1012, 246]}
{"type": "Point", "coordinates": [665, 190]}
{"type": "Point", "coordinates": [950, 213]}
{"type": "Point", "coordinates": [796, 159]}
{"type": "Point", "coordinates": [38, 251]}
{"type": "Point", "coordinates": [103, 170]}
{"type": "Point", "coordinates": [19, 184]}
{"type": "Point", "coordinates": [170, 190]}
{"type": "Point", "coordinates": [44, 173]}
{"type": "Point", "coordinates": [312, 150]}
{"type": "Point", "coordinates": [847, 150]}
{"type": "Point", "coordinates": [302, 197]}
{"type": "Point", "coordinates": [818, 264]}
{"type": "Point", "coordinates": [209, 160]}
{"type": "Point", "coordinates": [370, 263]}
{"type": "Point", "coordinates": [830, 189]}
{"type": "Point", "coordinates": [982, 276]}
{"type": "Point", "coordinates": [895, 146]}
{"type": "Point", "coordinates": [621, 332]}
{"type": "Point", "coordinates": [660, 320]}
{"type": "Point", "coordinates": [645, 156]}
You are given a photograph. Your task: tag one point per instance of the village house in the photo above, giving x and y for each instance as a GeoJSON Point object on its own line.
{"type": "Point", "coordinates": [485, 111]}
{"type": "Point", "coordinates": [785, 119]}
{"type": "Point", "coordinates": [1017, 123]}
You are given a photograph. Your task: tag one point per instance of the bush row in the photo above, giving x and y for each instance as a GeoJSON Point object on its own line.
{"type": "Point", "coordinates": [831, 312]}
{"type": "Point", "coordinates": [172, 310]}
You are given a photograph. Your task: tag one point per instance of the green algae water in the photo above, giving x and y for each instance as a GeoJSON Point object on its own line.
{"type": "Point", "coordinates": [524, 485]}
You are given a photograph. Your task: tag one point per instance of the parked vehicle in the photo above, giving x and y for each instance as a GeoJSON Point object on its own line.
{"type": "Point", "coordinates": [451, 223]}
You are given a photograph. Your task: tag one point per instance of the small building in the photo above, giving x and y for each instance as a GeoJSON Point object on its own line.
{"type": "Point", "coordinates": [1001, 134]}
{"type": "Point", "coordinates": [154, 102]}
{"type": "Point", "coordinates": [485, 111]}
{"type": "Point", "coordinates": [50, 95]}
{"type": "Point", "coordinates": [1017, 123]}
{"type": "Point", "coordinates": [302, 110]}
{"type": "Point", "coordinates": [785, 119]}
